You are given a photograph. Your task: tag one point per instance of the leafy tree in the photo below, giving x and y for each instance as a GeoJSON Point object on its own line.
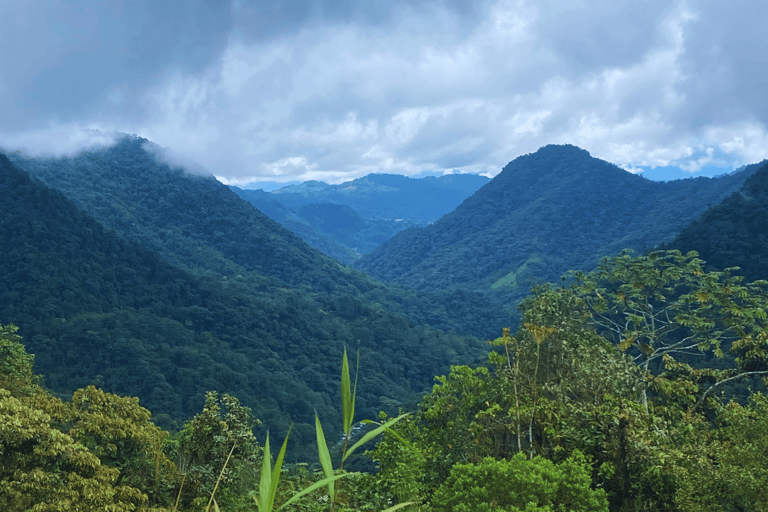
{"type": "Point", "coordinates": [119, 431]}
{"type": "Point", "coordinates": [15, 363]}
{"type": "Point", "coordinates": [664, 305]}
{"type": "Point", "coordinates": [214, 443]}
{"type": "Point", "coordinates": [44, 468]}
{"type": "Point", "coordinates": [520, 485]}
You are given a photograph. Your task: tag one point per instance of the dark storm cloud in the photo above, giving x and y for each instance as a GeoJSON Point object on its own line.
{"type": "Point", "coordinates": [65, 60]}
{"type": "Point", "coordinates": [724, 66]}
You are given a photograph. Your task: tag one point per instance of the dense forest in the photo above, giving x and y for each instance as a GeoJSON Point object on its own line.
{"type": "Point", "coordinates": [585, 408]}
{"type": "Point", "coordinates": [351, 219]}
{"type": "Point", "coordinates": [167, 338]}
{"type": "Point", "coordinates": [548, 212]}
{"type": "Point", "coordinates": [733, 233]}
{"type": "Point", "coordinates": [146, 302]}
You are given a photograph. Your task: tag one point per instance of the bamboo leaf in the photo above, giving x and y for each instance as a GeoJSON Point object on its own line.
{"type": "Point", "coordinates": [373, 433]}
{"type": "Point", "coordinates": [325, 456]}
{"type": "Point", "coordinates": [313, 487]}
{"type": "Point", "coordinates": [278, 469]}
{"type": "Point", "coordinates": [398, 506]}
{"type": "Point", "coordinates": [265, 482]}
{"type": "Point", "coordinates": [347, 400]}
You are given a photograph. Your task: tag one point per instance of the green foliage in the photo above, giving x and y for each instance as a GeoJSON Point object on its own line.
{"type": "Point", "coordinates": [519, 485]}
{"type": "Point", "coordinates": [44, 466]}
{"type": "Point", "coordinates": [546, 213]}
{"type": "Point", "coordinates": [216, 439]}
{"type": "Point", "coordinates": [148, 282]}
{"type": "Point", "coordinates": [664, 305]}
{"type": "Point", "coordinates": [15, 363]}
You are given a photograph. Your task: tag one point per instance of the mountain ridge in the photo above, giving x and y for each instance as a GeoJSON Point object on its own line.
{"type": "Point", "coordinates": [226, 299]}
{"type": "Point", "coordinates": [547, 212]}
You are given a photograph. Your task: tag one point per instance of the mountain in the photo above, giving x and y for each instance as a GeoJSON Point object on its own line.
{"type": "Point", "coordinates": [348, 220]}
{"type": "Point", "coordinates": [546, 213]}
{"type": "Point", "coordinates": [734, 233]}
{"type": "Point", "coordinates": [389, 196]}
{"type": "Point", "coordinates": [150, 282]}
{"type": "Point", "coordinates": [336, 229]}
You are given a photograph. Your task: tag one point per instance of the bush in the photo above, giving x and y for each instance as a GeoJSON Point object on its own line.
{"type": "Point", "coordinates": [520, 485]}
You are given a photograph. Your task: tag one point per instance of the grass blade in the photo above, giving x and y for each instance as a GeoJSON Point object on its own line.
{"type": "Point", "coordinates": [278, 469]}
{"type": "Point", "coordinates": [265, 482]}
{"type": "Point", "coordinates": [325, 456]}
{"type": "Point", "coordinates": [314, 486]}
{"type": "Point", "coordinates": [398, 506]}
{"type": "Point", "coordinates": [373, 433]}
{"type": "Point", "coordinates": [347, 399]}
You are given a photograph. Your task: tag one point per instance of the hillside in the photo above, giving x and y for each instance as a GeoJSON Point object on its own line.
{"type": "Point", "coordinates": [336, 229]}
{"type": "Point", "coordinates": [546, 213]}
{"type": "Point", "coordinates": [153, 283]}
{"type": "Point", "coordinates": [734, 233]}
{"type": "Point", "coordinates": [389, 196]}
{"type": "Point", "coordinates": [348, 220]}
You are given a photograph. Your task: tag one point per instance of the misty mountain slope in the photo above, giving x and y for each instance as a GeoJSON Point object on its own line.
{"type": "Point", "coordinates": [167, 301]}
{"type": "Point", "coordinates": [348, 220]}
{"type": "Point", "coordinates": [734, 233]}
{"type": "Point", "coordinates": [188, 219]}
{"type": "Point", "coordinates": [389, 196]}
{"type": "Point", "coordinates": [546, 213]}
{"type": "Point", "coordinates": [336, 229]}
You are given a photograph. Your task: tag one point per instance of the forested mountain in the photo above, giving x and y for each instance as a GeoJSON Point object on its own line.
{"type": "Point", "coordinates": [734, 233]}
{"type": "Point", "coordinates": [161, 285]}
{"type": "Point", "coordinates": [336, 229]}
{"type": "Point", "coordinates": [351, 219]}
{"type": "Point", "coordinates": [389, 196]}
{"type": "Point", "coordinates": [546, 213]}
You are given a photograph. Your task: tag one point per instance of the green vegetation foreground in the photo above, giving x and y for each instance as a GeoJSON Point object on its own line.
{"type": "Point", "coordinates": [631, 389]}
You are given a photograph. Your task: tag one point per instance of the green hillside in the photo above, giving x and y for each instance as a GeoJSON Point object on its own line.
{"type": "Point", "coordinates": [544, 214]}
{"type": "Point", "coordinates": [152, 283]}
{"type": "Point", "coordinates": [734, 233]}
{"type": "Point", "coordinates": [336, 229]}
{"type": "Point", "coordinates": [348, 220]}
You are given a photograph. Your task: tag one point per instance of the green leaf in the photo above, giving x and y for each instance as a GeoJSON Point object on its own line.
{"type": "Point", "coordinates": [373, 433]}
{"type": "Point", "coordinates": [325, 481]}
{"type": "Point", "coordinates": [270, 477]}
{"type": "Point", "coordinates": [265, 501]}
{"type": "Point", "coordinates": [398, 506]}
{"type": "Point", "coordinates": [347, 397]}
{"type": "Point", "coordinates": [325, 456]}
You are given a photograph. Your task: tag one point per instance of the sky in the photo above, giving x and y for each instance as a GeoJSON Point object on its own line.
{"type": "Point", "coordinates": [292, 90]}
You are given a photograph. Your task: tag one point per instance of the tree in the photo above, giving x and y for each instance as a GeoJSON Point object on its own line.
{"type": "Point", "coordinates": [44, 468]}
{"type": "Point", "coordinates": [15, 363]}
{"type": "Point", "coordinates": [520, 485]}
{"type": "Point", "coordinates": [665, 306]}
{"type": "Point", "coordinates": [208, 441]}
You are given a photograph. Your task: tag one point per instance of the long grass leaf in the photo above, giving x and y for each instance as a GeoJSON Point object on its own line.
{"type": "Point", "coordinates": [313, 487]}
{"type": "Point", "coordinates": [347, 401]}
{"type": "Point", "coordinates": [398, 506]}
{"type": "Point", "coordinates": [265, 482]}
{"type": "Point", "coordinates": [325, 456]}
{"type": "Point", "coordinates": [277, 470]}
{"type": "Point", "coordinates": [373, 433]}
{"type": "Point", "coordinates": [354, 390]}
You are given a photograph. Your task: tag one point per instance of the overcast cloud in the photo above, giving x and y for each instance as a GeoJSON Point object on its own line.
{"type": "Point", "coordinates": [332, 90]}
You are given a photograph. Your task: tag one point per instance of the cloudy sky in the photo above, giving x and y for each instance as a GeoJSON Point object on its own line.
{"type": "Point", "coordinates": [284, 90]}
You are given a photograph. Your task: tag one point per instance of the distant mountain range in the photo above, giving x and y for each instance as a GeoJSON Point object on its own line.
{"type": "Point", "coordinates": [546, 213]}
{"type": "Point", "coordinates": [351, 219]}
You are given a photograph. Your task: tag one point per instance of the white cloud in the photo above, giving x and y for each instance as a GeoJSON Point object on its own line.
{"type": "Point", "coordinates": [333, 90]}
